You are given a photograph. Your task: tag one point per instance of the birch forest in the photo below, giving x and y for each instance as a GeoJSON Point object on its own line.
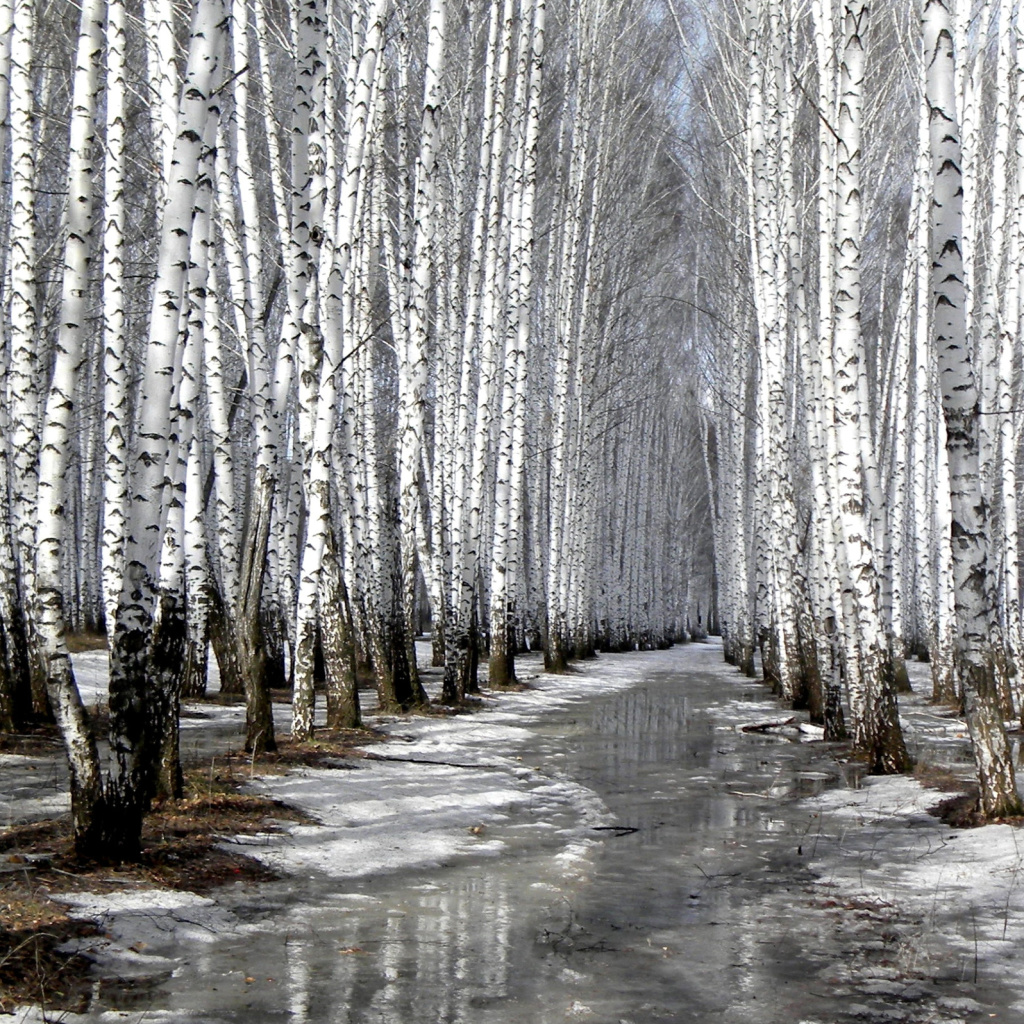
{"type": "Point", "coordinates": [326, 323]}
{"type": "Point", "coordinates": [567, 325]}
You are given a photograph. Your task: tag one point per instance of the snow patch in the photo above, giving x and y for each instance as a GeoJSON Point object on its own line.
{"type": "Point", "coordinates": [144, 918]}
{"type": "Point", "coordinates": [879, 843]}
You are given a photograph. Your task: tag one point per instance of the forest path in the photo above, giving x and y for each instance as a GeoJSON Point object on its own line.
{"type": "Point", "coordinates": [682, 871]}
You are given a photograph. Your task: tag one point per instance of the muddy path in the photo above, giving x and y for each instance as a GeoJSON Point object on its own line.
{"type": "Point", "coordinates": [684, 875]}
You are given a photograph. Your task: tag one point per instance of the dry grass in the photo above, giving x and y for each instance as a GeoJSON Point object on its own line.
{"type": "Point", "coordinates": [78, 642]}
{"type": "Point", "coordinates": [961, 808]}
{"type": "Point", "coordinates": [181, 850]}
{"type": "Point", "coordinates": [31, 969]}
{"type": "Point", "coordinates": [329, 747]}
{"type": "Point", "coordinates": [940, 777]}
{"type": "Point", "coordinates": [960, 811]}
{"type": "Point", "coordinates": [35, 741]}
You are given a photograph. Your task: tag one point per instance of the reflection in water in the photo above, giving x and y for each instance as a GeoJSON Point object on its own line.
{"type": "Point", "coordinates": [410, 953]}
{"type": "Point", "coordinates": [298, 978]}
{"type": "Point", "coordinates": [503, 940]}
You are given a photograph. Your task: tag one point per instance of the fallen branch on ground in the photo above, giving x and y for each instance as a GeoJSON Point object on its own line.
{"type": "Point", "coordinates": [766, 726]}
{"type": "Point", "coordinates": [423, 760]}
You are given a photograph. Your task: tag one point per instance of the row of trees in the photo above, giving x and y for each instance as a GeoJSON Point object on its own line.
{"type": "Point", "coordinates": [864, 393]}
{"type": "Point", "coordinates": [321, 317]}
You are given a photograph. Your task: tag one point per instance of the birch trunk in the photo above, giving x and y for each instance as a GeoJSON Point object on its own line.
{"type": "Point", "coordinates": [132, 707]}
{"type": "Point", "coordinates": [15, 678]}
{"type": "Point", "coordinates": [115, 365]}
{"type": "Point", "coordinates": [415, 361]}
{"type": "Point", "coordinates": [972, 576]}
{"type": "Point", "coordinates": [876, 721]}
{"type": "Point", "coordinates": [55, 443]}
{"type": "Point", "coordinates": [23, 368]}
{"type": "Point", "coordinates": [507, 553]}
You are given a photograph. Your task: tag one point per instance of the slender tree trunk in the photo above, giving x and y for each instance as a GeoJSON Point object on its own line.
{"type": "Point", "coordinates": [134, 712]}
{"type": "Point", "coordinates": [413, 366]}
{"type": "Point", "coordinates": [55, 444]}
{"type": "Point", "coordinates": [972, 575]}
{"type": "Point", "coordinates": [115, 367]}
{"type": "Point", "coordinates": [876, 720]}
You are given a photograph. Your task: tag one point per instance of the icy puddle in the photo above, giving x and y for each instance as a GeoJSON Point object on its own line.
{"type": "Point", "coordinates": [626, 857]}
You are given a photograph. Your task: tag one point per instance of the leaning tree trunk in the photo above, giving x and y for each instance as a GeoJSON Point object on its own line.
{"type": "Point", "coordinates": [87, 798]}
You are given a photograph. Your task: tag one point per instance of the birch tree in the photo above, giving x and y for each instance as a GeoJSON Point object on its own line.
{"type": "Point", "coordinates": [871, 678]}
{"type": "Point", "coordinates": [974, 599]}
{"type": "Point", "coordinates": [54, 446]}
{"type": "Point", "coordinates": [413, 363]}
{"type": "Point", "coordinates": [135, 682]}
{"type": "Point", "coordinates": [23, 359]}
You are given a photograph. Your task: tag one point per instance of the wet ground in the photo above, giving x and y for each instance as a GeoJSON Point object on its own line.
{"type": "Point", "coordinates": [700, 898]}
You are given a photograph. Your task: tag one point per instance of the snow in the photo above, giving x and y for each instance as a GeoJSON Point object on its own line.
{"type": "Point", "coordinates": [30, 1015]}
{"type": "Point", "coordinates": [386, 817]}
{"type": "Point", "coordinates": [36, 787]}
{"type": "Point", "coordinates": [389, 816]}
{"type": "Point", "coordinates": [143, 918]}
{"type": "Point", "coordinates": [33, 788]}
{"type": "Point", "coordinates": [91, 675]}
{"type": "Point", "coordinates": [966, 885]}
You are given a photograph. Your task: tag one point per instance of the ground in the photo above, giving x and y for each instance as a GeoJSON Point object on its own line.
{"type": "Point", "coordinates": [878, 862]}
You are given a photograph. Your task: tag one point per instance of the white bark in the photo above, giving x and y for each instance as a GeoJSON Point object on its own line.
{"type": "Point", "coordinates": [414, 361]}
{"type": "Point", "coordinates": [129, 681]}
{"type": "Point", "coordinates": [115, 366]}
{"type": "Point", "coordinates": [23, 400]}
{"type": "Point", "coordinates": [972, 575]}
{"type": "Point", "coordinates": [334, 264]}
{"type": "Point", "coordinates": [58, 423]}
{"type": "Point", "coordinates": [161, 53]}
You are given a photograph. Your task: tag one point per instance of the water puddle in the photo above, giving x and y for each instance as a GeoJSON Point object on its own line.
{"type": "Point", "coordinates": [692, 900]}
